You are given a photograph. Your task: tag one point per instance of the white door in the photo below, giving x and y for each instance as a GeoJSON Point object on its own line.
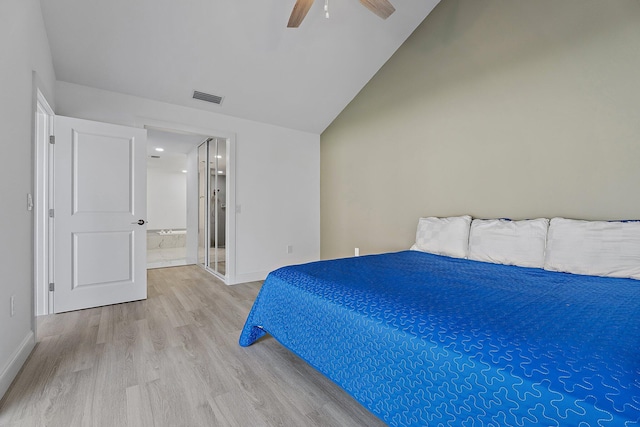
{"type": "Point", "coordinates": [99, 199]}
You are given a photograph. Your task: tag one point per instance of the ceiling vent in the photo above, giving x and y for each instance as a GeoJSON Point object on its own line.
{"type": "Point", "coordinates": [215, 99]}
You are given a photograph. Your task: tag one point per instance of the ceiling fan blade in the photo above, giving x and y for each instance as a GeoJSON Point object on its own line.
{"type": "Point", "coordinates": [382, 8]}
{"type": "Point", "coordinates": [300, 10]}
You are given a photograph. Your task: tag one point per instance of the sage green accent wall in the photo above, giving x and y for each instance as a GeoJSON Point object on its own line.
{"type": "Point", "coordinates": [493, 108]}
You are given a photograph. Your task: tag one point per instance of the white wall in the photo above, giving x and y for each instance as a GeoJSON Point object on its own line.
{"type": "Point", "coordinates": [25, 48]}
{"type": "Point", "coordinates": [166, 200]}
{"type": "Point", "coordinates": [277, 174]}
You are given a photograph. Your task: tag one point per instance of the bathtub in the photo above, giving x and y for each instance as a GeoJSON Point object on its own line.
{"type": "Point", "coordinates": [161, 239]}
{"type": "Point", "coordinates": [166, 232]}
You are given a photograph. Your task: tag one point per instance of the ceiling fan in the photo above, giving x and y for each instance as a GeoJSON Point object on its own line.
{"type": "Point", "coordinates": [382, 8]}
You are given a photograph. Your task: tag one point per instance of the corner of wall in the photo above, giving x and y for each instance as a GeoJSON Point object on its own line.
{"type": "Point", "coordinates": [17, 359]}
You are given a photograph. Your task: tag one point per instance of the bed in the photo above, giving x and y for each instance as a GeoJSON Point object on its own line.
{"type": "Point", "coordinates": [421, 339]}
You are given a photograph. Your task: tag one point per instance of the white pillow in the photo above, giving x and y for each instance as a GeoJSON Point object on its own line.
{"type": "Point", "coordinates": [444, 236]}
{"type": "Point", "coordinates": [502, 241]}
{"type": "Point", "coordinates": [597, 248]}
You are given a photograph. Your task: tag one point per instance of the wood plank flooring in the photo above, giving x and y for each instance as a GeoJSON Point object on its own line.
{"type": "Point", "coordinates": [171, 360]}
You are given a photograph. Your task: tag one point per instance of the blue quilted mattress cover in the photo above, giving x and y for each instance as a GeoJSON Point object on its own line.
{"type": "Point", "coordinates": [427, 340]}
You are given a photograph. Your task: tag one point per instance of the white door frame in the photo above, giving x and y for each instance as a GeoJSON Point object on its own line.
{"type": "Point", "coordinates": [43, 128]}
{"type": "Point", "coordinates": [230, 277]}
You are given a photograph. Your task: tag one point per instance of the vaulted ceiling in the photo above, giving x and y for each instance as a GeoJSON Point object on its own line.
{"type": "Point", "coordinates": [165, 49]}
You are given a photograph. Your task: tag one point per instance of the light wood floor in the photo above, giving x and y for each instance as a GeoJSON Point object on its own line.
{"type": "Point", "coordinates": [172, 360]}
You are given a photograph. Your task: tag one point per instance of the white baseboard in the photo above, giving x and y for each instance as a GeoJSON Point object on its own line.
{"type": "Point", "coordinates": [249, 277]}
{"type": "Point", "coordinates": [16, 361]}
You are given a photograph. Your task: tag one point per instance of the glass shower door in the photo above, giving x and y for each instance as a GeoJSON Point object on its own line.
{"type": "Point", "coordinates": [203, 190]}
{"type": "Point", "coordinates": [219, 207]}
{"type": "Point", "coordinates": [212, 205]}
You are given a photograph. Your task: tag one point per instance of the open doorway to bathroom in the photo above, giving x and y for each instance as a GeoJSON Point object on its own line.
{"type": "Point", "coordinates": [189, 221]}
{"type": "Point", "coordinates": [167, 187]}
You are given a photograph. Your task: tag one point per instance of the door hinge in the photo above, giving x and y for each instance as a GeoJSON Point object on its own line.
{"type": "Point", "coordinates": [52, 287]}
{"type": "Point", "coordinates": [51, 213]}
{"type": "Point", "coordinates": [52, 139]}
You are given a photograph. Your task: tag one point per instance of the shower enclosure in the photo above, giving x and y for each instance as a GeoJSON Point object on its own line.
{"type": "Point", "coordinates": [212, 205]}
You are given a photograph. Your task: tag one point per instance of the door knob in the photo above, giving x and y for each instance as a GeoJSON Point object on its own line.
{"type": "Point", "coordinates": [139, 222]}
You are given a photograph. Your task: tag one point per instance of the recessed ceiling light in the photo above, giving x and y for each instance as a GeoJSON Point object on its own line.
{"type": "Point", "coordinates": [184, 171]}
{"type": "Point", "coordinates": [220, 171]}
{"type": "Point", "coordinates": [159, 149]}
{"type": "Point", "coordinates": [218, 157]}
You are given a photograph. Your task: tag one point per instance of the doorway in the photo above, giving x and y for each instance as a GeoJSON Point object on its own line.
{"type": "Point", "coordinates": [212, 205]}
{"type": "Point", "coordinates": [90, 194]}
{"type": "Point", "coordinates": [167, 190]}
{"type": "Point", "coordinates": [43, 268]}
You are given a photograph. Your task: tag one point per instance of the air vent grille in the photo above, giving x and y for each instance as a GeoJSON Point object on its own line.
{"type": "Point", "coordinates": [215, 99]}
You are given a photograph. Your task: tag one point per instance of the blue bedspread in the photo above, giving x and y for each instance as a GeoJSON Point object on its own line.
{"type": "Point", "coordinates": [425, 340]}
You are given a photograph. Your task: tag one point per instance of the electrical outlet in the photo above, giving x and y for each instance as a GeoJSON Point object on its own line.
{"type": "Point", "coordinates": [356, 251]}
{"type": "Point", "coordinates": [13, 305]}
{"type": "Point", "coordinates": [289, 249]}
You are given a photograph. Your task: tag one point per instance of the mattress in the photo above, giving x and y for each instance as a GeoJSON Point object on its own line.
{"type": "Point", "coordinates": [421, 339]}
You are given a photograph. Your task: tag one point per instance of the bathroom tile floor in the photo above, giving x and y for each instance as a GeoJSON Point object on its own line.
{"type": "Point", "coordinates": [173, 257]}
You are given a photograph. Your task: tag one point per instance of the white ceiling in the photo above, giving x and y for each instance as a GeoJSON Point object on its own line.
{"type": "Point", "coordinates": [240, 49]}
{"type": "Point", "coordinates": [176, 146]}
